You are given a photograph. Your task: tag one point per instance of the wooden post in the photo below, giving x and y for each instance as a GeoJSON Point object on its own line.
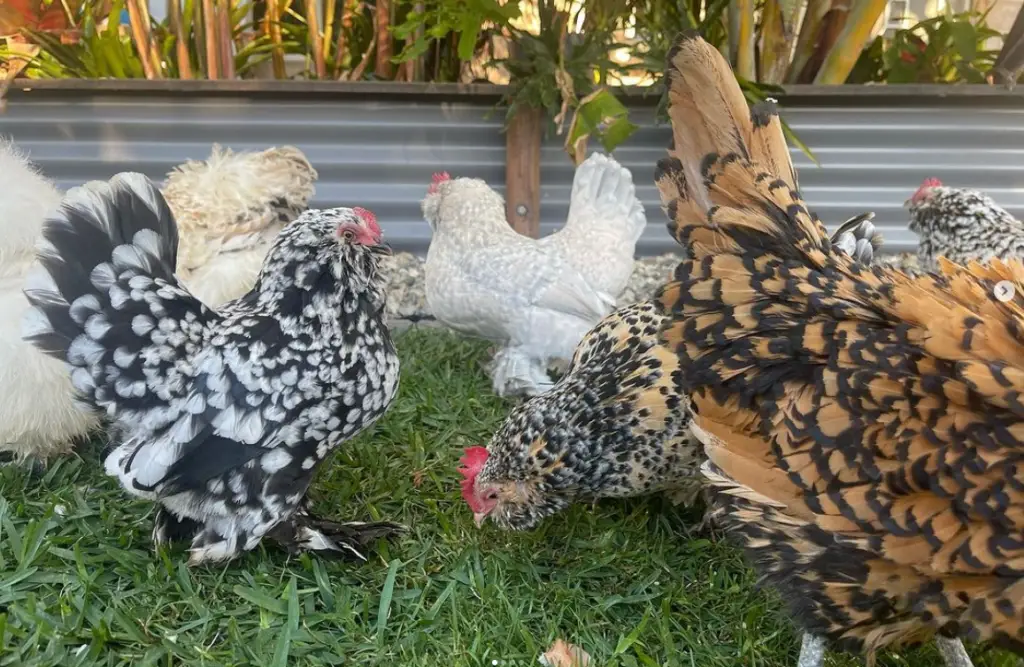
{"type": "Point", "coordinates": [522, 170]}
{"type": "Point", "coordinates": [383, 65]}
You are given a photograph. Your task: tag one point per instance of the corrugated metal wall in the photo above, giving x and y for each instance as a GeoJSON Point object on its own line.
{"type": "Point", "coordinates": [380, 153]}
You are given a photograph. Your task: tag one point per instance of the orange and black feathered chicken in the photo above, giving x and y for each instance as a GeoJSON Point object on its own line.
{"type": "Point", "coordinates": [864, 428]}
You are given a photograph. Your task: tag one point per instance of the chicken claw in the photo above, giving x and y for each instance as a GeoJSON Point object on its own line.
{"type": "Point", "coordinates": [350, 539]}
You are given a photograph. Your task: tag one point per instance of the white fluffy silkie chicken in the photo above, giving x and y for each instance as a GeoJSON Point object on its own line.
{"type": "Point", "coordinates": [230, 208]}
{"type": "Point", "coordinates": [37, 414]}
{"type": "Point", "coordinates": [535, 298]}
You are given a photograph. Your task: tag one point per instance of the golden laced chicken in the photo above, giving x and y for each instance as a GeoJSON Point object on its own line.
{"type": "Point", "coordinates": [863, 427]}
{"type": "Point", "coordinates": [229, 208]}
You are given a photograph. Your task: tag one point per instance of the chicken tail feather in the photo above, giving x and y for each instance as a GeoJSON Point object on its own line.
{"type": "Point", "coordinates": [103, 281]}
{"type": "Point", "coordinates": [707, 177]}
{"type": "Point", "coordinates": [602, 184]}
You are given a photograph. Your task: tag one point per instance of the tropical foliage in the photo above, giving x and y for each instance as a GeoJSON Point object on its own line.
{"type": "Point", "coordinates": [565, 58]}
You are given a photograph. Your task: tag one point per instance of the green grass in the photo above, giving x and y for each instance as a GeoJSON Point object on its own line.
{"type": "Point", "coordinates": [80, 584]}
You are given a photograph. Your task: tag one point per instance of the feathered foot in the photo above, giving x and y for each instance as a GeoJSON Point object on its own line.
{"type": "Point", "coordinates": [953, 652]}
{"type": "Point", "coordinates": [685, 495]}
{"type": "Point", "coordinates": [812, 651]}
{"type": "Point", "coordinates": [514, 373]}
{"type": "Point", "coordinates": [208, 546]}
{"type": "Point", "coordinates": [169, 528]}
{"type": "Point", "coordinates": [349, 540]}
{"type": "Point", "coordinates": [34, 465]}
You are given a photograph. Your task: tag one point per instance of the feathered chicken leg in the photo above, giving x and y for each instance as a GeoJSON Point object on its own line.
{"type": "Point", "coordinates": [953, 652]}
{"type": "Point", "coordinates": [347, 540]}
{"type": "Point", "coordinates": [812, 651]}
{"type": "Point", "coordinates": [515, 373]}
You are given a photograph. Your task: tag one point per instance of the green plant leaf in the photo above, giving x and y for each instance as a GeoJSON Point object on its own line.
{"type": "Point", "coordinates": [964, 39]}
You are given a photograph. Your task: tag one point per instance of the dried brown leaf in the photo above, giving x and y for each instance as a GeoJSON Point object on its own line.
{"type": "Point", "coordinates": [564, 654]}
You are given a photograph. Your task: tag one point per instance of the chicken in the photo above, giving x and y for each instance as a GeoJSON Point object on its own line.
{"type": "Point", "coordinates": [37, 415]}
{"type": "Point", "coordinates": [961, 225]}
{"type": "Point", "coordinates": [221, 417]}
{"type": "Point", "coordinates": [229, 208]}
{"type": "Point", "coordinates": [484, 279]}
{"type": "Point", "coordinates": [863, 427]}
{"type": "Point", "coordinates": [614, 426]}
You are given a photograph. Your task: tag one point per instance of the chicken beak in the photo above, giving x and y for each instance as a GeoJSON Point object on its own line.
{"type": "Point", "coordinates": [479, 518]}
{"type": "Point", "coordinates": [382, 249]}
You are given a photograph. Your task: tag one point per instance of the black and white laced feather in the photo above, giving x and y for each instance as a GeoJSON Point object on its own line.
{"type": "Point", "coordinates": [962, 225]}
{"type": "Point", "coordinates": [220, 416]}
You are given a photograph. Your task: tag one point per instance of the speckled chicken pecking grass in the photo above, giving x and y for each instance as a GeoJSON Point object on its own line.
{"type": "Point", "coordinates": [221, 416]}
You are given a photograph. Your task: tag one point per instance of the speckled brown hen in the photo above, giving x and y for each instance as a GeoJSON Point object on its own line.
{"type": "Point", "coordinates": [864, 428]}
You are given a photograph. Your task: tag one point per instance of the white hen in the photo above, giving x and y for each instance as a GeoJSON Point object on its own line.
{"type": "Point", "coordinates": [535, 298]}
{"type": "Point", "coordinates": [37, 414]}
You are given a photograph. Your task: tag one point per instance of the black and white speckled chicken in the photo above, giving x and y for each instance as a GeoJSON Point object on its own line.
{"type": "Point", "coordinates": [220, 416]}
{"type": "Point", "coordinates": [961, 225]}
{"type": "Point", "coordinates": [614, 426]}
{"type": "Point", "coordinates": [864, 428]}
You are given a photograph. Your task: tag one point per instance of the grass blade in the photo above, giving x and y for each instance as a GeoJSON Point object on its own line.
{"type": "Point", "coordinates": [385, 598]}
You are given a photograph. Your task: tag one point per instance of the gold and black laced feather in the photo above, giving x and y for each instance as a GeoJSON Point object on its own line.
{"type": "Point", "coordinates": [864, 428]}
{"type": "Point", "coordinates": [613, 426]}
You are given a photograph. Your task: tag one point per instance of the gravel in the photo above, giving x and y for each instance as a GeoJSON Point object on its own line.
{"type": "Point", "coordinates": [407, 301]}
{"type": "Point", "coordinates": [406, 298]}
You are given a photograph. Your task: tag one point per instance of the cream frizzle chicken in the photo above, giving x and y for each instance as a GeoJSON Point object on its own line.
{"type": "Point", "coordinates": [229, 208]}
{"type": "Point", "coordinates": [534, 298]}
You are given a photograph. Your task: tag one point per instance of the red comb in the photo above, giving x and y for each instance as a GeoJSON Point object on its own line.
{"type": "Point", "coordinates": [926, 185]}
{"type": "Point", "coordinates": [369, 218]}
{"type": "Point", "coordinates": [473, 460]}
{"type": "Point", "coordinates": [435, 180]}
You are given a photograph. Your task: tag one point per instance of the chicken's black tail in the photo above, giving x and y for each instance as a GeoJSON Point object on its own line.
{"type": "Point", "coordinates": [99, 230]}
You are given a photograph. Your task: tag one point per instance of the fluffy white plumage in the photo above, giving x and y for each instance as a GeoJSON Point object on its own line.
{"type": "Point", "coordinates": [535, 298]}
{"type": "Point", "coordinates": [605, 221]}
{"type": "Point", "coordinates": [229, 209]}
{"type": "Point", "coordinates": [38, 416]}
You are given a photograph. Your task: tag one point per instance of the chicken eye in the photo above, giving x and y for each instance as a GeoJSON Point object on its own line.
{"type": "Point", "coordinates": [348, 234]}
{"type": "Point", "coordinates": [491, 494]}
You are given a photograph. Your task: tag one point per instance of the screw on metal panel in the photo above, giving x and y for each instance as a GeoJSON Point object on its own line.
{"type": "Point", "coordinates": [521, 210]}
